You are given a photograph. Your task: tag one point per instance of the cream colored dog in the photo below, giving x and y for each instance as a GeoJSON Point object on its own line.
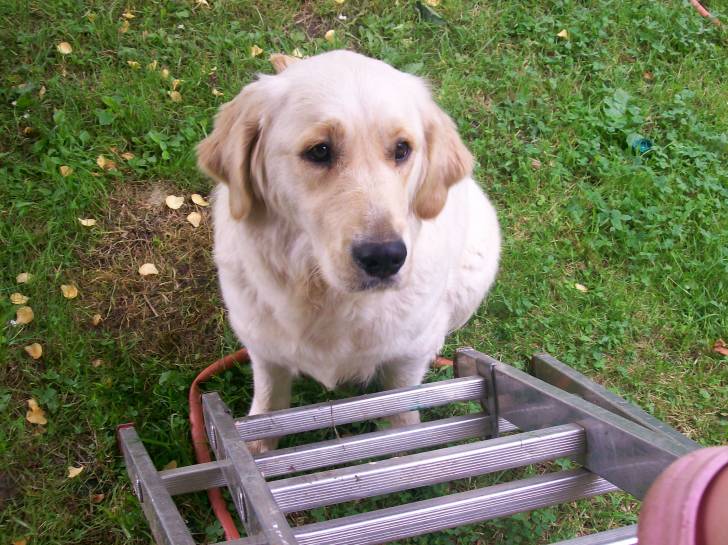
{"type": "Point", "coordinates": [349, 236]}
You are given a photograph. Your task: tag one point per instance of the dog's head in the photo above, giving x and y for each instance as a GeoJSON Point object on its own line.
{"type": "Point", "coordinates": [350, 151]}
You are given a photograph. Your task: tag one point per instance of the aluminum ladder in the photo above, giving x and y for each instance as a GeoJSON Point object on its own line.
{"type": "Point", "coordinates": [554, 412]}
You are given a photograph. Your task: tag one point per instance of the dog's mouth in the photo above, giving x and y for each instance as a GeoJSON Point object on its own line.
{"type": "Point", "coordinates": [371, 283]}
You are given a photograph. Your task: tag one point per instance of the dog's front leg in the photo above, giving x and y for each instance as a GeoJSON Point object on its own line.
{"type": "Point", "coordinates": [271, 392]}
{"type": "Point", "coordinates": [400, 374]}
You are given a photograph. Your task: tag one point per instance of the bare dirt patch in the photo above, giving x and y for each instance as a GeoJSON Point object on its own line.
{"type": "Point", "coordinates": [177, 311]}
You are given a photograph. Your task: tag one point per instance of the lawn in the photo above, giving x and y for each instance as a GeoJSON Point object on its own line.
{"type": "Point", "coordinates": [615, 258]}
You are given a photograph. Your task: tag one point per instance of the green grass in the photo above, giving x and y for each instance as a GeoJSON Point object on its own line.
{"type": "Point", "coordinates": [646, 234]}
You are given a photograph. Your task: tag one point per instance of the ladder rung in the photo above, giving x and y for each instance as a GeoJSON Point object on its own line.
{"type": "Point", "coordinates": [626, 535]}
{"type": "Point", "coordinates": [422, 517]}
{"type": "Point", "coordinates": [355, 409]}
{"type": "Point", "coordinates": [427, 468]}
{"type": "Point", "coordinates": [194, 478]}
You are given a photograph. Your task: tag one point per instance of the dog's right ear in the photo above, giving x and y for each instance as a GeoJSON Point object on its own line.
{"type": "Point", "coordinates": [280, 62]}
{"type": "Point", "coordinates": [229, 154]}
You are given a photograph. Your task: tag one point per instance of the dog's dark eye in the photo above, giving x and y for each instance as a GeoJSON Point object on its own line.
{"type": "Point", "coordinates": [320, 153]}
{"type": "Point", "coordinates": [401, 151]}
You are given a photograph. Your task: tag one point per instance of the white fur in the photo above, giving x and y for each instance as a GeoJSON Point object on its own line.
{"type": "Point", "coordinates": [286, 309]}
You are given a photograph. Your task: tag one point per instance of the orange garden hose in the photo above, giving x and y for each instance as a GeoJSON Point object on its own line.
{"type": "Point", "coordinates": [704, 12]}
{"type": "Point", "coordinates": [199, 438]}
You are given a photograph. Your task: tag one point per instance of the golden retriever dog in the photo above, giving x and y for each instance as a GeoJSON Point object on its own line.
{"type": "Point", "coordinates": [350, 238]}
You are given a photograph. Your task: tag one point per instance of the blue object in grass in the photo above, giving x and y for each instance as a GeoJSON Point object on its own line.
{"type": "Point", "coordinates": [639, 143]}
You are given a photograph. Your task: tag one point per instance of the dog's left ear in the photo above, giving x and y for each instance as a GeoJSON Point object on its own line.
{"type": "Point", "coordinates": [447, 162]}
{"type": "Point", "coordinates": [280, 61]}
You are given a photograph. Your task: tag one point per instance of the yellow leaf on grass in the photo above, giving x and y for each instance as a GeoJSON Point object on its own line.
{"type": "Point", "coordinates": [165, 73]}
{"type": "Point", "coordinates": [98, 362]}
{"type": "Point", "coordinates": [195, 218]}
{"type": "Point", "coordinates": [65, 170]}
{"type": "Point", "coordinates": [174, 202]}
{"type": "Point", "coordinates": [18, 298]}
{"type": "Point", "coordinates": [24, 315]}
{"type": "Point", "coordinates": [535, 163]}
{"type": "Point", "coordinates": [23, 277]}
{"type": "Point", "coordinates": [106, 164]}
{"type": "Point", "coordinates": [64, 48]}
{"type": "Point", "coordinates": [199, 200]}
{"type": "Point", "coordinates": [152, 65]}
{"type": "Point", "coordinates": [69, 291]}
{"type": "Point", "coordinates": [124, 28]}
{"type": "Point", "coordinates": [42, 91]}
{"type": "Point", "coordinates": [34, 350]}
{"type": "Point", "coordinates": [147, 269]}
{"type": "Point", "coordinates": [339, 1]}
{"type": "Point", "coordinates": [330, 35]}
{"type": "Point", "coordinates": [87, 222]}
{"type": "Point", "coordinates": [581, 287]}
{"type": "Point", "coordinates": [20, 542]}
{"type": "Point", "coordinates": [432, 3]}
{"type": "Point", "coordinates": [255, 51]}
{"type": "Point", "coordinates": [297, 53]}
{"type": "Point", "coordinates": [133, 64]}
{"type": "Point", "coordinates": [202, 3]}
{"type": "Point", "coordinates": [35, 415]}
{"type": "Point", "coordinates": [128, 14]}
{"type": "Point", "coordinates": [74, 472]}
{"type": "Point", "coordinates": [96, 319]}
{"type": "Point", "coordinates": [216, 92]}
{"type": "Point", "coordinates": [172, 464]}
{"type": "Point", "coordinates": [127, 156]}
{"type": "Point", "coordinates": [175, 84]}
{"type": "Point", "coordinates": [563, 34]}
{"type": "Point", "coordinates": [720, 347]}
{"type": "Point", "coordinates": [176, 96]}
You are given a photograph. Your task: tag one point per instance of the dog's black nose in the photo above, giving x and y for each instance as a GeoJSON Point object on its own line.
{"type": "Point", "coordinates": [380, 259]}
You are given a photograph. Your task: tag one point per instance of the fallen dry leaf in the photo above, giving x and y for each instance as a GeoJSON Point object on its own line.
{"type": "Point", "coordinates": [199, 200]}
{"type": "Point", "coordinates": [35, 414]}
{"type": "Point", "coordinates": [128, 14]}
{"type": "Point", "coordinates": [96, 319]}
{"type": "Point", "coordinates": [133, 64]}
{"type": "Point", "coordinates": [104, 163]}
{"type": "Point", "coordinates": [648, 76]}
{"type": "Point", "coordinates": [147, 269]}
{"type": "Point", "coordinates": [563, 34]}
{"type": "Point", "coordinates": [87, 222]}
{"type": "Point", "coordinates": [255, 51]}
{"type": "Point", "coordinates": [174, 202]}
{"type": "Point", "coordinates": [24, 315]}
{"type": "Point", "coordinates": [97, 498]}
{"type": "Point", "coordinates": [216, 92]}
{"type": "Point", "coordinates": [127, 156]}
{"type": "Point", "coordinates": [165, 73]}
{"type": "Point", "coordinates": [195, 218]}
{"type": "Point", "coordinates": [20, 542]}
{"type": "Point", "coordinates": [64, 48]}
{"type": "Point", "coordinates": [42, 91]}
{"type": "Point", "coordinates": [69, 291]}
{"type": "Point", "coordinates": [152, 65]}
{"type": "Point", "coordinates": [535, 163]}
{"type": "Point", "coordinates": [720, 347]}
{"type": "Point", "coordinates": [124, 28]}
{"type": "Point", "coordinates": [581, 287]}
{"type": "Point", "coordinates": [175, 84]}
{"type": "Point", "coordinates": [202, 3]}
{"type": "Point", "coordinates": [176, 96]}
{"type": "Point", "coordinates": [65, 170]}
{"type": "Point", "coordinates": [34, 350]}
{"type": "Point", "coordinates": [23, 277]}
{"type": "Point", "coordinates": [339, 1]}
{"type": "Point", "coordinates": [432, 3]}
{"type": "Point", "coordinates": [74, 472]}
{"type": "Point", "coordinates": [98, 362]}
{"type": "Point", "coordinates": [172, 464]}
{"type": "Point", "coordinates": [297, 53]}
{"type": "Point", "coordinates": [330, 35]}
{"type": "Point", "coordinates": [18, 298]}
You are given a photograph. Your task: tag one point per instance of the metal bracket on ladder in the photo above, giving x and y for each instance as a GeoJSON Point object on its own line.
{"type": "Point", "coordinates": [557, 413]}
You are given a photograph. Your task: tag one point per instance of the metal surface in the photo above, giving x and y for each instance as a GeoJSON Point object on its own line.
{"type": "Point", "coordinates": [551, 370]}
{"type": "Point", "coordinates": [627, 454]}
{"type": "Point", "coordinates": [166, 523]}
{"type": "Point", "coordinates": [427, 468]}
{"type": "Point", "coordinates": [626, 535]}
{"type": "Point", "coordinates": [356, 409]}
{"type": "Point", "coordinates": [183, 480]}
{"type": "Point", "coordinates": [422, 517]}
{"type": "Point", "coordinates": [251, 495]}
